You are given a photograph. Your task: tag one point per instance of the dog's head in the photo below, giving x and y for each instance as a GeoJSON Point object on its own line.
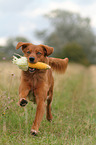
{"type": "Point", "coordinates": [35, 53]}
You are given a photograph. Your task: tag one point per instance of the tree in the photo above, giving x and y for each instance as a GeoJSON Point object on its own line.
{"type": "Point", "coordinates": [68, 27]}
{"type": "Point", "coordinates": [10, 48]}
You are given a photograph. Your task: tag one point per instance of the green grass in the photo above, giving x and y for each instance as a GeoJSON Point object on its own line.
{"type": "Point", "coordinates": [73, 109]}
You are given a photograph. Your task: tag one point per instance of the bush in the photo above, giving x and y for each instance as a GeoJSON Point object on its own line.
{"type": "Point", "coordinates": [75, 53]}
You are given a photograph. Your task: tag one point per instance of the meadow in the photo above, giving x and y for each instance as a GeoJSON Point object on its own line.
{"type": "Point", "coordinates": [73, 109]}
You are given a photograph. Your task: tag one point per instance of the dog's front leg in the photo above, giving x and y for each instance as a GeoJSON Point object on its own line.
{"type": "Point", "coordinates": [40, 100]}
{"type": "Point", "coordinates": [23, 92]}
{"type": "Point", "coordinates": [38, 118]}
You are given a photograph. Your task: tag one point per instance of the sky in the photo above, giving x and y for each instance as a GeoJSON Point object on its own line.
{"type": "Point", "coordinates": [24, 17]}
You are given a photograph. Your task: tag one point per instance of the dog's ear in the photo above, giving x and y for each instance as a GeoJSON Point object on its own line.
{"type": "Point", "coordinates": [23, 45]}
{"type": "Point", "coordinates": [47, 49]}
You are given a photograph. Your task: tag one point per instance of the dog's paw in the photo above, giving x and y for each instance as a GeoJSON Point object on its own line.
{"type": "Point", "coordinates": [33, 132]}
{"type": "Point", "coordinates": [49, 118]}
{"type": "Point", "coordinates": [23, 102]}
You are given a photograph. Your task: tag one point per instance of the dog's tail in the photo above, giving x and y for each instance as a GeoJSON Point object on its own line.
{"type": "Point", "coordinates": [59, 65]}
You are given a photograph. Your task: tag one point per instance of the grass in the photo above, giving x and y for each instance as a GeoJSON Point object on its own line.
{"type": "Point", "coordinates": [73, 109]}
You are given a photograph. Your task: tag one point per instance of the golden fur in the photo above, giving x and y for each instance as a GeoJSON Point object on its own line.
{"type": "Point", "coordinates": [39, 83]}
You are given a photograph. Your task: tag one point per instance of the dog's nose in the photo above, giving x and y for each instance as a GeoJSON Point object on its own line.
{"type": "Point", "coordinates": [31, 59]}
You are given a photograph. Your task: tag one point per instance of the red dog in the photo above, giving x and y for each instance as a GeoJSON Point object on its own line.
{"type": "Point", "coordinates": [36, 84]}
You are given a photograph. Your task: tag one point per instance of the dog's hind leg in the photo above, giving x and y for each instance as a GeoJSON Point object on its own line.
{"type": "Point", "coordinates": [48, 107]}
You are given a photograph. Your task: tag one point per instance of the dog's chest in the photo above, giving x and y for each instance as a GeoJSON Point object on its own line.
{"type": "Point", "coordinates": [36, 80]}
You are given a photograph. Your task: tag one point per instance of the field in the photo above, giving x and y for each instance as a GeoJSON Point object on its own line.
{"type": "Point", "coordinates": [73, 109]}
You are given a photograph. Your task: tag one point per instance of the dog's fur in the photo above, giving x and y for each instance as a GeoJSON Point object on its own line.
{"type": "Point", "coordinates": [39, 83]}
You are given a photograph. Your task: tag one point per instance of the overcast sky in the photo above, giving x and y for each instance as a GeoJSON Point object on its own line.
{"type": "Point", "coordinates": [23, 17]}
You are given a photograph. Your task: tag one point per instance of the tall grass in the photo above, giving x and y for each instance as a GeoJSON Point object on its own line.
{"type": "Point", "coordinates": [73, 109]}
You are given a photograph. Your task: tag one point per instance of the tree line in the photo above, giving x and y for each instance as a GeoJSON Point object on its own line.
{"type": "Point", "coordinates": [70, 34]}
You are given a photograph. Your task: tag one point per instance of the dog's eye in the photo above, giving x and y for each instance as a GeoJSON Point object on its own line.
{"type": "Point", "coordinates": [38, 52]}
{"type": "Point", "coordinates": [28, 52]}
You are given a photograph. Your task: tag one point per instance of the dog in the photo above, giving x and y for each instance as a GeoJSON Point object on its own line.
{"type": "Point", "coordinates": [37, 85]}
